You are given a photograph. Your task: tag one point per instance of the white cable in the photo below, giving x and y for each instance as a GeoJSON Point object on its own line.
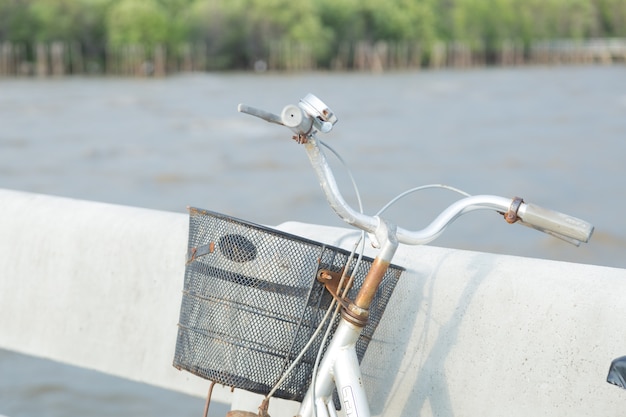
{"type": "Point", "coordinates": [356, 188]}
{"type": "Point", "coordinates": [332, 305]}
{"type": "Point", "coordinates": [303, 351]}
{"type": "Point", "coordinates": [423, 187]}
{"type": "Point", "coordinates": [360, 240]}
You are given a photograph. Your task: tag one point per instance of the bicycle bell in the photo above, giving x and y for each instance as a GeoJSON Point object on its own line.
{"type": "Point", "coordinates": [323, 117]}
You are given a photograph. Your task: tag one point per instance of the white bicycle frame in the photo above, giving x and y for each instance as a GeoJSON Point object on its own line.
{"type": "Point", "coordinates": [339, 367]}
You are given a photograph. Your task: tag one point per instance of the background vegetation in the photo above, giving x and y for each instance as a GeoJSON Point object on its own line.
{"type": "Point", "coordinates": [238, 33]}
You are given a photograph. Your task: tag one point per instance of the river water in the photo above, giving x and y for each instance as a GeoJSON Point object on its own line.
{"type": "Point", "coordinates": [555, 136]}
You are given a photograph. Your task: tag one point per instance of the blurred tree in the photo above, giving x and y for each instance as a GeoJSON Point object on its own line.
{"type": "Point", "coordinates": [485, 24]}
{"type": "Point", "coordinates": [611, 17]}
{"type": "Point", "coordinates": [55, 20]}
{"type": "Point", "coordinates": [443, 11]}
{"type": "Point", "coordinates": [220, 26]}
{"type": "Point", "coordinates": [286, 21]}
{"type": "Point", "coordinates": [342, 18]}
{"type": "Point", "coordinates": [568, 18]}
{"type": "Point", "coordinates": [16, 22]}
{"type": "Point", "coordinates": [241, 31]}
{"type": "Point", "coordinates": [581, 20]}
{"type": "Point", "coordinates": [238, 32]}
{"type": "Point", "coordinates": [139, 22]}
{"type": "Point", "coordinates": [400, 19]}
{"type": "Point", "coordinates": [351, 21]}
{"type": "Point", "coordinates": [177, 12]}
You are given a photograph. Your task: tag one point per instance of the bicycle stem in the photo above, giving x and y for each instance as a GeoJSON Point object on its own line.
{"type": "Point", "coordinates": [386, 233]}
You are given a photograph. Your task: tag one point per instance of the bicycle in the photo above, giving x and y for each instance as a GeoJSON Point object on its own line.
{"type": "Point", "coordinates": [349, 304]}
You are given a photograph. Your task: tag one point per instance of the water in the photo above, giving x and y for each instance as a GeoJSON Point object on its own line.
{"type": "Point", "coordinates": [554, 136]}
{"type": "Point", "coordinates": [32, 387]}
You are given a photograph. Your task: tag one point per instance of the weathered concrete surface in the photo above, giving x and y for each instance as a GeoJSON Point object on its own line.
{"type": "Point", "coordinates": [95, 285]}
{"type": "Point", "coordinates": [99, 286]}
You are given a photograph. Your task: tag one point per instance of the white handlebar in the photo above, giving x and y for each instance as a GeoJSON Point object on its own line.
{"type": "Point", "coordinates": [565, 227]}
{"type": "Point", "coordinates": [312, 115]}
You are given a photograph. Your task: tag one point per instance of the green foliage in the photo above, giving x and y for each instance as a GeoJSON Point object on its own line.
{"type": "Point", "coordinates": [238, 32]}
{"type": "Point", "coordinates": [137, 22]}
{"type": "Point", "coordinates": [485, 23]}
{"type": "Point", "coordinates": [287, 21]}
{"type": "Point", "coordinates": [54, 19]}
{"type": "Point", "coordinates": [611, 17]}
{"type": "Point", "coordinates": [16, 21]}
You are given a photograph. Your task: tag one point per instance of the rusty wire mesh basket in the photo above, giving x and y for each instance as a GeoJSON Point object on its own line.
{"type": "Point", "coordinates": [251, 301]}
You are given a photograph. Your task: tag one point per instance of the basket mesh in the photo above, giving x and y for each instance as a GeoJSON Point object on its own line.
{"type": "Point", "coordinates": [251, 301]}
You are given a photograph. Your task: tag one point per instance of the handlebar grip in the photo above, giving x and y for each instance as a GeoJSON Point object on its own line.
{"type": "Point", "coordinates": [568, 228]}
{"type": "Point", "coordinates": [261, 114]}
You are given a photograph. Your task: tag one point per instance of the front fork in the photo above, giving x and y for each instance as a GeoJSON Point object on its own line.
{"type": "Point", "coordinates": [340, 365]}
{"type": "Point", "coordinates": [340, 368]}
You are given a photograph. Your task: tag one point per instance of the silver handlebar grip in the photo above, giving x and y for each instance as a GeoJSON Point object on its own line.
{"type": "Point", "coordinates": [563, 226]}
{"type": "Point", "coordinates": [261, 114]}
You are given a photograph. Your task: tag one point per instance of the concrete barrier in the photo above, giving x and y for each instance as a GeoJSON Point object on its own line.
{"type": "Point", "coordinates": [99, 286]}
{"type": "Point", "coordinates": [94, 285]}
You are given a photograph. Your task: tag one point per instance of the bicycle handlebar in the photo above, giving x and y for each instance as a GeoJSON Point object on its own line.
{"type": "Point", "coordinates": [312, 115]}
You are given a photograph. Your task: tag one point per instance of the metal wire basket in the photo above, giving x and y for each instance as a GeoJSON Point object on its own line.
{"type": "Point", "coordinates": [251, 301]}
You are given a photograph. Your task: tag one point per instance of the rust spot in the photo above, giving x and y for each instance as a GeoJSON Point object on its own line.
{"type": "Point", "coordinates": [195, 211]}
{"type": "Point", "coordinates": [331, 281]}
{"type": "Point", "coordinates": [511, 215]}
{"type": "Point", "coordinates": [192, 255]}
{"type": "Point", "coordinates": [301, 139]}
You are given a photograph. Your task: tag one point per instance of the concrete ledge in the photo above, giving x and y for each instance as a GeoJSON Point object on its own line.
{"type": "Point", "coordinates": [469, 334]}
{"type": "Point", "coordinates": [94, 285]}
{"type": "Point", "coordinates": [98, 286]}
